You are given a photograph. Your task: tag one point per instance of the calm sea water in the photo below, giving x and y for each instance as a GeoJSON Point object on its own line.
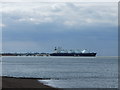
{"type": "Point", "coordinates": [65, 72]}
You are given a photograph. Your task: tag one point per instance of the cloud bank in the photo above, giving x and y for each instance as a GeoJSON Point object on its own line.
{"type": "Point", "coordinates": [66, 14]}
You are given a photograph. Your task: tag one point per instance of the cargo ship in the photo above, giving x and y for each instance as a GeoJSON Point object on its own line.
{"type": "Point", "coordinates": [61, 52]}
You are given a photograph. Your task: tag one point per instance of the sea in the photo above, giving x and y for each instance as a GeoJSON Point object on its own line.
{"type": "Point", "coordinates": [64, 72]}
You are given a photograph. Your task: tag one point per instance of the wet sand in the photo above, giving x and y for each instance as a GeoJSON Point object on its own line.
{"type": "Point", "coordinates": [11, 82]}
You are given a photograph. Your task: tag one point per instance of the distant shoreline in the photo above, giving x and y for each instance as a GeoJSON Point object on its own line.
{"type": "Point", "coordinates": [53, 56]}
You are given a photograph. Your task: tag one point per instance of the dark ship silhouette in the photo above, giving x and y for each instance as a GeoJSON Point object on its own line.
{"type": "Point", "coordinates": [61, 52]}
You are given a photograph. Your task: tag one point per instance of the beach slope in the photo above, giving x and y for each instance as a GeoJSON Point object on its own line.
{"type": "Point", "coordinates": [10, 82]}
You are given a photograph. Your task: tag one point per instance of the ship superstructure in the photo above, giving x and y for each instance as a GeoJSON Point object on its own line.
{"type": "Point", "coordinates": [64, 52]}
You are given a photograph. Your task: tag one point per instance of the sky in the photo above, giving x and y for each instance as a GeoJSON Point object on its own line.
{"type": "Point", "coordinates": [59, 0]}
{"type": "Point", "coordinates": [39, 27]}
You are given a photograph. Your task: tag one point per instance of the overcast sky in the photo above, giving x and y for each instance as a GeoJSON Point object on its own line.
{"type": "Point", "coordinates": [39, 27]}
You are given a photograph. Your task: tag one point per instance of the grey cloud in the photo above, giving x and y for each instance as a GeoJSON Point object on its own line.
{"type": "Point", "coordinates": [75, 14]}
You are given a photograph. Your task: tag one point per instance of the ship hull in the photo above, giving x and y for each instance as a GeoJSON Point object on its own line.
{"type": "Point", "coordinates": [74, 54]}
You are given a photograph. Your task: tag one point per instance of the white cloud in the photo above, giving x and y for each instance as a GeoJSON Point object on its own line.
{"type": "Point", "coordinates": [2, 25]}
{"type": "Point", "coordinates": [70, 23]}
{"type": "Point", "coordinates": [69, 14]}
{"type": "Point", "coordinates": [35, 20]}
{"type": "Point", "coordinates": [59, 0]}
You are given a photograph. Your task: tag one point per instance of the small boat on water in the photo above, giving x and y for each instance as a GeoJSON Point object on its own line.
{"type": "Point", "coordinates": [61, 52]}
